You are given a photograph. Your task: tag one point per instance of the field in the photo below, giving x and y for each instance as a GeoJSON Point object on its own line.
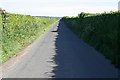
{"type": "Point", "coordinates": [100, 31]}
{"type": "Point", "coordinates": [17, 31]}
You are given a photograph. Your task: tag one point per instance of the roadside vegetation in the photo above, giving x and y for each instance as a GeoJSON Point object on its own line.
{"type": "Point", "coordinates": [100, 31]}
{"type": "Point", "coordinates": [0, 36]}
{"type": "Point", "coordinates": [17, 31]}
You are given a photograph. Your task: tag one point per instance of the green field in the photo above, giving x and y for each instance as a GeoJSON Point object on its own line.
{"type": "Point", "coordinates": [100, 31]}
{"type": "Point", "coordinates": [18, 31]}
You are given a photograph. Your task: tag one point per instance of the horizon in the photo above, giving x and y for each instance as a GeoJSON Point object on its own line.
{"type": "Point", "coordinates": [55, 8]}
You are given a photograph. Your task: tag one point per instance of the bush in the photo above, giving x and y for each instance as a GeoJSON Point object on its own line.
{"type": "Point", "coordinates": [100, 31]}
{"type": "Point", "coordinates": [20, 30]}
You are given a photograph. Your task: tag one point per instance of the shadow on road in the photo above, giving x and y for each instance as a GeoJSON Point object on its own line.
{"type": "Point", "coordinates": [75, 59]}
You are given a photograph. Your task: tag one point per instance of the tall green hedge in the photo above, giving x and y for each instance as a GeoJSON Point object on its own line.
{"type": "Point", "coordinates": [20, 30]}
{"type": "Point", "coordinates": [100, 31]}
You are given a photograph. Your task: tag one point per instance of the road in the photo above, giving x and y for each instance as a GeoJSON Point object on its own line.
{"type": "Point", "coordinates": [59, 53]}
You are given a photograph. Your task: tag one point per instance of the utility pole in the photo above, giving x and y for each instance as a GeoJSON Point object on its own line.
{"type": "Point", "coordinates": [119, 6]}
{"type": "Point", "coordinates": [4, 17]}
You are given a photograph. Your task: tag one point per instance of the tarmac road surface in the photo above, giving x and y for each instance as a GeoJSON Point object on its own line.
{"type": "Point", "coordinates": [59, 53]}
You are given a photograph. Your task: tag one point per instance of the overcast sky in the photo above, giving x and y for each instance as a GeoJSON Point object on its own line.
{"type": "Point", "coordinates": [58, 7]}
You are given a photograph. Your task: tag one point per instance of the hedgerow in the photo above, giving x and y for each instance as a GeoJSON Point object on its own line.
{"type": "Point", "coordinates": [100, 31]}
{"type": "Point", "coordinates": [19, 31]}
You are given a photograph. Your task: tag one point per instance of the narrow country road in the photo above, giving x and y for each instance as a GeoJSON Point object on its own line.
{"type": "Point", "coordinates": [59, 53]}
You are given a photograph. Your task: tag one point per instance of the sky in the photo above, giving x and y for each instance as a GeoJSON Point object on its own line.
{"type": "Point", "coordinates": [58, 8]}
